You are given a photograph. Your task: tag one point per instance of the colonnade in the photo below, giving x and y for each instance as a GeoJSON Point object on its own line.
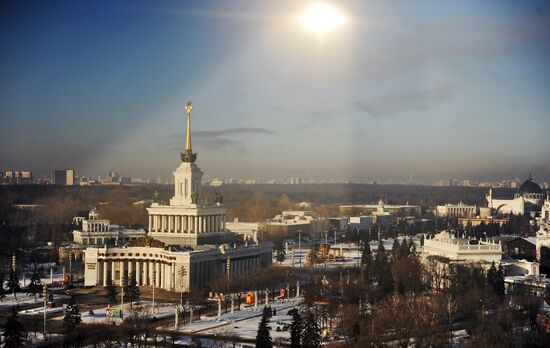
{"type": "Point", "coordinates": [243, 265]}
{"type": "Point", "coordinates": [96, 227]}
{"type": "Point", "coordinates": [161, 274]}
{"type": "Point", "coordinates": [186, 223]}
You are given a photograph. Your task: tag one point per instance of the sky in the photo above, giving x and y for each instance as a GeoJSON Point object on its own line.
{"type": "Point", "coordinates": [432, 89]}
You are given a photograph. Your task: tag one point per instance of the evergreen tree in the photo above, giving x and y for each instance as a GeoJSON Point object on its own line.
{"type": "Point", "coordinates": [295, 328]}
{"type": "Point", "coordinates": [263, 337]}
{"type": "Point", "coordinates": [404, 249]}
{"type": "Point", "coordinates": [131, 290]}
{"type": "Point", "coordinates": [311, 337]}
{"type": "Point", "coordinates": [72, 316]}
{"type": "Point", "coordinates": [492, 276]}
{"type": "Point", "coordinates": [395, 249]}
{"type": "Point", "coordinates": [13, 332]}
{"type": "Point", "coordinates": [13, 283]}
{"type": "Point", "coordinates": [366, 256]}
{"type": "Point", "coordinates": [35, 285]}
{"type": "Point", "coordinates": [281, 256]}
{"type": "Point", "coordinates": [382, 271]}
{"type": "Point", "coordinates": [499, 281]}
{"type": "Point", "coordinates": [111, 291]}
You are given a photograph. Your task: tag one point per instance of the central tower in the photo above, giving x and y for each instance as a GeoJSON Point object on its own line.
{"type": "Point", "coordinates": [188, 176]}
{"type": "Point", "coordinates": [187, 220]}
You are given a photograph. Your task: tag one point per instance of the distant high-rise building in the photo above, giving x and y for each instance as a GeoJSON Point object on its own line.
{"type": "Point", "coordinates": [15, 177]}
{"type": "Point", "coordinates": [63, 177]}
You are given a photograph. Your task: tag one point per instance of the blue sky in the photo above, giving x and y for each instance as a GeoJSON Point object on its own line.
{"type": "Point", "coordinates": [438, 89]}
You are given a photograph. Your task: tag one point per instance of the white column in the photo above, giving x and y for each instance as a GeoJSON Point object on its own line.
{"type": "Point", "coordinates": [130, 269]}
{"type": "Point", "coordinates": [121, 275]}
{"type": "Point", "coordinates": [138, 272]}
{"type": "Point", "coordinates": [150, 222]}
{"type": "Point", "coordinates": [147, 266]}
{"type": "Point", "coordinates": [157, 269]}
{"type": "Point", "coordinates": [105, 265]}
{"type": "Point", "coordinates": [163, 275]}
{"type": "Point", "coordinates": [173, 276]}
{"type": "Point", "coordinates": [151, 266]}
{"type": "Point", "coordinates": [113, 275]}
{"type": "Point", "coordinates": [167, 276]}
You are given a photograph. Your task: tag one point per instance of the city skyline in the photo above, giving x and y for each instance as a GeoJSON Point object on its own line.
{"type": "Point", "coordinates": [454, 90]}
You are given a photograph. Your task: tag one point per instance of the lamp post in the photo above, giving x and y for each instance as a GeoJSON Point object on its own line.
{"type": "Point", "coordinates": [154, 284]}
{"type": "Point", "coordinates": [70, 266]}
{"type": "Point", "coordinates": [228, 269]}
{"type": "Point", "coordinates": [44, 293]}
{"type": "Point", "coordinates": [182, 272]}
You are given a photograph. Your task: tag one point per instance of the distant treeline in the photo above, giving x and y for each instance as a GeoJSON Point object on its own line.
{"type": "Point", "coordinates": [256, 202]}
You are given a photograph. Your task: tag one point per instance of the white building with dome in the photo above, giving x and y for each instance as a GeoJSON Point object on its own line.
{"type": "Point", "coordinates": [187, 243]}
{"type": "Point", "coordinates": [528, 199]}
{"type": "Point", "coordinates": [96, 231]}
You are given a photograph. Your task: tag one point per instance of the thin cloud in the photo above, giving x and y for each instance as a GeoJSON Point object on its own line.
{"type": "Point", "coordinates": [225, 138]}
{"type": "Point", "coordinates": [231, 131]}
{"type": "Point", "coordinates": [415, 100]}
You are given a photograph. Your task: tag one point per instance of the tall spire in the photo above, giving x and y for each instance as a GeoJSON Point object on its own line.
{"type": "Point", "coordinates": [188, 155]}
{"type": "Point", "coordinates": [188, 108]}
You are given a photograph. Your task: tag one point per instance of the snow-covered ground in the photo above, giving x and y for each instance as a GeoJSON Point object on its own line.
{"type": "Point", "coordinates": [244, 323]}
{"type": "Point", "coordinates": [162, 310]}
{"type": "Point", "coordinates": [23, 299]}
{"type": "Point", "coordinates": [351, 254]}
{"type": "Point", "coordinates": [53, 277]}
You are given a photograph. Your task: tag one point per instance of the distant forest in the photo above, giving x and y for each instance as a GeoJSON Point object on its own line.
{"type": "Point", "coordinates": [53, 221]}
{"type": "Point", "coordinates": [247, 202]}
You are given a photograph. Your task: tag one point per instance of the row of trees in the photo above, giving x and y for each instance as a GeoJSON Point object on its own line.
{"type": "Point", "coordinates": [304, 331]}
{"type": "Point", "coordinates": [396, 298]}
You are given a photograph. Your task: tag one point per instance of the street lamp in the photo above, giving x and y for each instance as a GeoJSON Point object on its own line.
{"type": "Point", "coordinates": [44, 293]}
{"type": "Point", "coordinates": [182, 272]}
{"type": "Point", "coordinates": [154, 284]}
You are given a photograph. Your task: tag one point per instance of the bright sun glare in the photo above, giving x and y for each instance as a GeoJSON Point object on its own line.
{"type": "Point", "coordinates": [321, 19]}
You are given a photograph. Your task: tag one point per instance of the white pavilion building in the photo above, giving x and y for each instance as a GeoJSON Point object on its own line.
{"type": "Point", "coordinates": [187, 243]}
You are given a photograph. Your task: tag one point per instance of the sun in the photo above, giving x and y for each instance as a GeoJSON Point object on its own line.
{"type": "Point", "coordinates": [321, 19]}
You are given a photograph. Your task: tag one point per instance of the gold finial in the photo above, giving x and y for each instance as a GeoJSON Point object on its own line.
{"type": "Point", "coordinates": [188, 155]}
{"type": "Point", "coordinates": [188, 108]}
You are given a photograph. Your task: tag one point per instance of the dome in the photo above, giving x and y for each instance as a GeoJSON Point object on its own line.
{"type": "Point", "coordinates": [530, 186]}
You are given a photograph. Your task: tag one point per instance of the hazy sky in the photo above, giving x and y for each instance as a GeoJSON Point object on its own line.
{"type": "Point", "coordinates": [433, 88]}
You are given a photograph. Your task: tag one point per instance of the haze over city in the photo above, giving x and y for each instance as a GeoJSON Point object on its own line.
{"type": "Point", "coordinates": [433, 89]}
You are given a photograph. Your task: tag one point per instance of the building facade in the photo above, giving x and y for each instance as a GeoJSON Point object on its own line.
{"type": "Point", "coordinates": [457, 210]}
{"type": "Point", "coordinates": [528, 199]}
{"type": "Point", "coordinates": [96, 231]}
{"type": "Point", "coordinates": [63, 177]}
{"type": "Point", "coordinates": [445, 244]}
